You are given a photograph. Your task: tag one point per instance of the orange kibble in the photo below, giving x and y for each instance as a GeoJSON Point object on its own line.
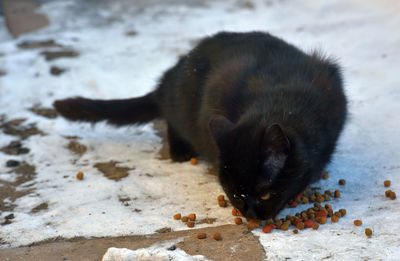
{"type": "Point", "coordinates": [221, 197]}
{"type": "Point", "coordinates": [268, 228]}
{"type": "Point", "coordinates": [217, 236]}
{"type": "Point", "coordinates": [222, 203]}
{"type": "Point", "coordinates": [201, 236]}
{"type": "Point", "coordinates": [177, 216]}
{"type": "Point", "coordinates": [193, 161]}
{"type": "Point", "coordinates": [315, 226]}
{"type": "Point", "coordinates": [321, 220]}
{"type": "Point", "coordinates": [357, 222]}
{"type": "Point", "coordinates": [238, 221]}
{"type": "Point", "coordinates": [79, 175]}
{"type": "Point", "coordinates": [368, 232]}
{"type": "Point", "coordinates": [334, 218]}
{"type": "Point", "coordinates": [190, 224]}
{"type": "Point", "coordinates": [185, 219]}
{"type": "Point", "coordinates": [251, 226]}
{"type": "Point", "coordinates": [308, 223]}
{"type": "Point", "coordinates": [235, 212]}
{"type": "Point", "coordinates": [295, 231]}
{"type": "Point", "coordinates": [392, 195]}
{"type": "Point", "coordinates": [386, 183]}
{"type": "Point", "coordinates": [192, 217]}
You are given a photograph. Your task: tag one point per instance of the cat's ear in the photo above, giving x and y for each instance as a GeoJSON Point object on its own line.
{"type": "Point", "coordinates": [219, 127]}
{"type": "Point", "coordinates": [275, 146]}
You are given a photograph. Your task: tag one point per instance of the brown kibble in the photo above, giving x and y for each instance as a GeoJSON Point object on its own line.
{"type": "Point", "coordinates": [312, 198]}
{"type": "Point", "coordinates": [386, 183]}
{"type": "Point", "coordinates": [387, 193]}
{"type": "Point", "coordinates": [357, 222]}
{"type": "Point", "coordinates": [79, 175]}
{"type": "Point", "coordinates": [295, 231]}
{"type": "Point", "coordinates": [222, 203]}
{"type": "Point", "coordinates": [177, 216]}
{"type": "Point", "coordinates": [315, 226]}
{"type": "Point", "coordinates": [285, 226]}
{"type": "Point", "coordinates": [337, 193]}
{"type": "Point", "coordinates": [368, 232]}
{"type": "Point", "coordinates": [309, 223]}
{"type": "Point", "coordinates": [221, 197]}
{"type": "Point", "coordinates": [335, 218]}
{"type": "Point", "coordinates": [327, 197]}
{"type": "Point", "coordinates": [305, 200]}
{"type": "Point", "coordinates": [255, 222]}
{"type": "Point", "coordinates": [392, 195]}
{"type": "Point", "coordinates": [342, 182]}
{"type": "Point", "coordinates": [320, 199]}
{"type": "Point", "coordinates": [190, 224]}
{"type": "Point", "coordinates": [321, 220]}
{"type": "Point", "coordinates": [251, 226]}
{"type": "Point", "coordinates": [217, 236]}
{"type": "Point", "coordinates": [235, 212]}
{"type": "Point", "coordinates": [328, 206]}
{"type": "Point", "coordinates": [338, 214]}
{"type": "Point", "coordinates": [343, 212]}
{"type": "Point", "coordinates": [238, 221]}
{"type": "Point", "coordinates": [300, 225]}
{"type": "Point", "coordinates": [193, 161]}
{"type": "Point", "coordinates": [185, 219]}
{"type": "Point", "coordinates": [325, 175]}
{"type": "Point", "coordinates": [192, 217]}
{"type": "Point", "coordinates": [201, 236]}
{"type": "Point", "coordinates": [328, 192]}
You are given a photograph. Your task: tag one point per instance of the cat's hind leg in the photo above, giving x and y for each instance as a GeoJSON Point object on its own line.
{"type": "Point", "coordinates": [179, 149]}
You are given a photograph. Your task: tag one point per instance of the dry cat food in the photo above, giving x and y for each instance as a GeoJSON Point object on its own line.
{"type": "Point", "coordinates": [222, 203]}
{"type": "Point", "coordinates": [190, 224]}
{"type": "Point", "coordinates": [221, 197]}
{"type": "Point", "coordinates": [185, 219]}
{"type": "Point", "coordinates": [357, 222]}
{"type": "Point", "coordinates": [386, 183]}
{"type": "Point", "coordinates": [390, 194]}
{"type": "Point", "coordinates": [368, 232]}
{"type": "Point", "coordinates": [201, 235]}
{"type": "Point", "coordinates": [193, 161]}
{"type": "Point", "coordinates": [325, 175]}
{"type": "Point", "coordinates": [192, 217]}
{"type": "Point", "coordinates": [79, 175]}
{"type": "Point", "coordinates": [342, 182]}
{"type": "Point", "coordinates": [217, 236]}
{"type": "Point", "coordinates": [295, 231]}
{"type": "Point", "coordinates": [177, 216]}
{"type": "Point", "coordinates": [268, 228]}
{"type": "Point", "coordinates": [238, 221]}
{"type": "Point", "coordinates": [337, 193]}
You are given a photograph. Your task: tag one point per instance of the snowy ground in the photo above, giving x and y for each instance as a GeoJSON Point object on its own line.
{"type": "Point", "coordinates": [113, 63]}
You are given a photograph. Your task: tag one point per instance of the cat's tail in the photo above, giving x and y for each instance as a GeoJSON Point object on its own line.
{"type": "Point", "coordinates": [117, 112]}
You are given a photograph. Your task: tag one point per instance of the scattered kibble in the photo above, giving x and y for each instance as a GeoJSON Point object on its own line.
{"type": "Point", "coordinates": [235, 212]}
{"type": "Point", "coordinates": [201, 235]}
{"type": "Point", "coordinates": [337, 193]}
{"type": "Point", "coordinates": [79, 175]}
{"type": "Point", "coordinates": [386, 183]}
{"type": "Point", "coordinates": [190, 224]}
{"type": "Point", "coordinates": [192, 217]}
{"type": "Point", "coordinates": [268, 228]}
{"type": "Point", "coordinates": [217, 236]}
{"type": "Point", "coordinates": [315, 226]}
{"type": "Point", "coordinates": [334, 218]}
{"type": "Point", "coordinates": [342, 182]}
{"type": "Point", "coordinates": [222, 203]}
{"type": "Point", "coordinates": [343, 212]}
{"type": "Point", "coordinates": [221, 197]}
{"type": "Point", "coordinates": [392, 195]}
{"type": "Point", "coordinates": [300, 225]}
{"type": "Point", "coordinates": [177, 216]}
{"type": "Point", "coordinates": [295, 231]}
{"type": "Point", "coordinates": [251, 226]}
{"type": "Point", "coordinates": [309, 223]}
{"type": "Point", "coordinates": [285, 226]}
{"type": "Point", "coordinates": [368, 232]}
{"type": "Point", "coordinates": [325, 175]}
{"type": "Point", "coordinates": [357, 222]}
{"type": "Point", "coordinates": [193, 161]}
{"type": "Point", "coordinates": [185, 219]}
{"type": "Point", "coordinates": [238, 221]}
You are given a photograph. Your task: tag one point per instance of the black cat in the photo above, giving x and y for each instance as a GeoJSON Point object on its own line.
{"type": "Point", "coordinates": [262, 111]}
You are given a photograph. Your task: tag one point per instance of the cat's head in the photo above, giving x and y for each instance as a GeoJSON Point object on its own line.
{"type": "Point", "coordinates": [260, 169]}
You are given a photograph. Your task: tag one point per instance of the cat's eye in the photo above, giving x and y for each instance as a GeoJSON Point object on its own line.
{"type": "Point", "coordinates": [266, 196]}
{"type": "Point", "coordinates": [241, 196]}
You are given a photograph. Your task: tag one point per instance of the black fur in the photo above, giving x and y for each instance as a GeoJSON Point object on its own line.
{"type": "Point", "coordinates": [265, 113]}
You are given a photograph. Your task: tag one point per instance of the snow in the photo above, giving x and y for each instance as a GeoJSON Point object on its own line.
{"type": "Point", "coordinates": [362, 35]}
